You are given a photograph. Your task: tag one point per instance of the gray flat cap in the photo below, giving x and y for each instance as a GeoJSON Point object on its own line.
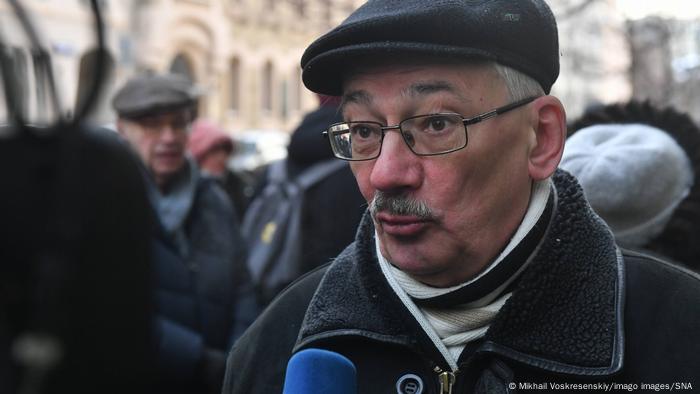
{"type": "Point", "coordinates": [521, 34]}
{"type": "Point", "coordinates": [151, 94]}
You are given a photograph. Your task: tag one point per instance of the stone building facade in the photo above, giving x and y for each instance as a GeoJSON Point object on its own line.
{"type": "Point", "coordinates": [244, 54]}
{"type": "Point", "coordinates": [595, 57]}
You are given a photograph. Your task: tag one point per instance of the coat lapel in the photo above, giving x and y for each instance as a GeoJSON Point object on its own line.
{"type": "Point", "coordinates": [566, 311]}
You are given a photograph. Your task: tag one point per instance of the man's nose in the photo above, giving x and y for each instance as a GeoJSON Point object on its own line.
{"type": "Point", "coordinates": [397, 168]}
{"type": "Point", "coordinates": [168, 133]}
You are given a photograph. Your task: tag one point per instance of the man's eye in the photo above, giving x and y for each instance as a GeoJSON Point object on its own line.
{"type": "Point", "coordinates": [180, 125]}
{"type": "Point", "coordinates": [437, 124]}
{"type": "Point", "coordinates": [149, 123]}
{"type": "Point", "coordinates": [362, 130]}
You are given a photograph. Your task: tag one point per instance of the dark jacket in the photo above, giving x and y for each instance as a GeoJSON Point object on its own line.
{"type": "Point", "coordinates": [333, 207]}
{"type": "Point", "coordinates": [583, 312]}
{"type": "Point", "coordinates": [239, 186]}
{"type": "Point", "coordinates": [204, 300]}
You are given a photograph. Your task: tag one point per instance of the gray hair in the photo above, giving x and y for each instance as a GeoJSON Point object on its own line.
{"type": "Point", "coordinates": [520, 86]}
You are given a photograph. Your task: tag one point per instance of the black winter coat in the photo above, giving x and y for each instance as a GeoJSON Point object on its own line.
{"type": "Point", "coordinates": [582, 313]}
{"type": "Point", "coordinates": [204, 300]}
{"type": "Point", "coordinates": [333, 207]}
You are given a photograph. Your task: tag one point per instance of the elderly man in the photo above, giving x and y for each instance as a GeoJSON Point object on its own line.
{"type": "Point", "coordinates": [479, 267]}
{"type": "Point", "coordinates": [204, 298]}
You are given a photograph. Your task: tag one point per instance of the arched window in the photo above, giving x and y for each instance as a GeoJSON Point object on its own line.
{"type": "Point", "coordinates": [284, 99]}
{"type": "Point", "coordinates": [267, 86]}
{"type": "Point", "coordinates": [86, 71]}
{"type": "Point", "coordinates": [18, 84]}
{"type": "Point", "coordinates": [234, 103]}
{"type": "Point", "coordinates": [180, 65]}
{"type": "Point", "coordinates": [297, 91]}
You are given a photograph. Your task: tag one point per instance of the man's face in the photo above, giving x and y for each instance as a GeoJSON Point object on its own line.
{"type": "Point", "coordinates": [476, 196]}
{"type": "Point", "coordinates": [160, 141]}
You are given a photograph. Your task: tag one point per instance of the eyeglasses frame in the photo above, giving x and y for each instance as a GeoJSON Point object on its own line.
{"type": "Point", "coordinates": [465, 121]}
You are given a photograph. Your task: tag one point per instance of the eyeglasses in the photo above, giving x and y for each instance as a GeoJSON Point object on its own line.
{"type": "Point", "coordinates": [155, 125]}
{"type": "Point", "coordinates": [425, 135]}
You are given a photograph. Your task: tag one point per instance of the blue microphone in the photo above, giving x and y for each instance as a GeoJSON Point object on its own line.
{"type": "Point", "coordinates": [316, 371]}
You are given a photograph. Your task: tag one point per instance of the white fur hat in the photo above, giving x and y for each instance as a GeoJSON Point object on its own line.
{"type": "Point", "coordinates": [633, 175]}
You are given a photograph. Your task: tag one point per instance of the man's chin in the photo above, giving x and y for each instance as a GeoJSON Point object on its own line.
{"type": "Point", "coordinates": [420, 258]}
{"type": "Point", "coordinates": [403, 254]}
{"type": "Point", "coordinates": [163, 174]}
{"type": "Point", "coordinates": [168, 168]}
{"type": "Point", "coordinates": [420, 272]}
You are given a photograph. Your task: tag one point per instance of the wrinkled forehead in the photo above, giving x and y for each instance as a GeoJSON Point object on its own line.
{"type": "Point", "coordinates": [413, 78]}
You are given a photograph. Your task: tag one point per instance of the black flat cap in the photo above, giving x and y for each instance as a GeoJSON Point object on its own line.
{"type": "Point", "coordinates": [151, 94]}
{"type": "Point", "coordinates": [521, 34]}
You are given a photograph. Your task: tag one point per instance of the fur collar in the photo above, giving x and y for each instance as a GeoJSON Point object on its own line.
{"type": "Point", "coordinates": [565, 314]}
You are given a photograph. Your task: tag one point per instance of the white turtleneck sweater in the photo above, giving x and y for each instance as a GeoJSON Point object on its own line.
{"type": "Point", "coordinates": [452, 328]}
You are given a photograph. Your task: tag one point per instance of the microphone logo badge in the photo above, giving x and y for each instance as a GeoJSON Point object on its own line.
{"type": "Point", "coordinates": [409, 384]}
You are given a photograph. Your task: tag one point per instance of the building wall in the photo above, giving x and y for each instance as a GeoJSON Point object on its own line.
{"type": "Point", "coordinates": [235, 48]}
{"type": "Point", "coordinates": [209, 36]}
{"type": "Point", "coordinates": [595, 57]}
{"type": "Point", "coordinates": [243, 54]}
{"type": "Point", "coordinates": [66, 31]}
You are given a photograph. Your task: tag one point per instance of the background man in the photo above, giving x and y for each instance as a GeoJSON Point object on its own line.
{"type": "Point", "coordinates": [330, 210]}
{"type": "Point", "coordinates": [204, 300]}
{"type": "Point", "coordinates": [479, 266]}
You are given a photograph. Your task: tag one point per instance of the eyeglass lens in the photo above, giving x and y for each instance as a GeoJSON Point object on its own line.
{"type": "Point", "coordinates": [424, 135]}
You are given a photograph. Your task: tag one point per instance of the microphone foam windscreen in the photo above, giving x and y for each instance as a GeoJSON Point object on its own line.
{"type": "Point", "coordinates": [316, 371]}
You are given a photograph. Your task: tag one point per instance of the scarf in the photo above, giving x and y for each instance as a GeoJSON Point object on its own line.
{"type": "Point", "coordinates": [173, 207]}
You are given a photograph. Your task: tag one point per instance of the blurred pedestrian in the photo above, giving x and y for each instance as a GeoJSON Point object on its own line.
{"type": "Point", "coordinates": [203, 293]}
{"type": "Point", "coordinates": [639, 166]}
{"type": "Point", "coordinates": [331, 206]}
{"type": "Point", "coordinates": [212, 148]}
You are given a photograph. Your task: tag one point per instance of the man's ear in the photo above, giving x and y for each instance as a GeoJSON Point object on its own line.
{"type": "Point", "coordinates": [549, 124]}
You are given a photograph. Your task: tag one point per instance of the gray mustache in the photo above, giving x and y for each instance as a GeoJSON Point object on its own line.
{"type": "Point", "coordinates": [399, 205]}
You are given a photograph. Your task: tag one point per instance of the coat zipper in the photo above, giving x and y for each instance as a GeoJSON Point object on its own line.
{"type": "Point", "coordinates": [446, 379]}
